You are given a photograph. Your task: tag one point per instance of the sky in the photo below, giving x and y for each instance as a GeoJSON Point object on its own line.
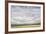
{"type": "Point", "coordinates": [25, 14]}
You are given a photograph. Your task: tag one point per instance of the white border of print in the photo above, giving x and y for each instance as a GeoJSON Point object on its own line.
{"type": "Point", "coordinates": [22, 29]}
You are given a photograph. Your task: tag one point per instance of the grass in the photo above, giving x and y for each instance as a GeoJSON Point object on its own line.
{"type": "Point", "coordinates": [26, 25]}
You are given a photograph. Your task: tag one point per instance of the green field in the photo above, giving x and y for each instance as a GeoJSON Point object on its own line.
{"type": "Point", "coordinates": [26, 25]}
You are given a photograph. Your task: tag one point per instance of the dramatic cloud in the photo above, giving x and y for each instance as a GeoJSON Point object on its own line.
{"type": "Point", "coordinates": [25, 14]}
